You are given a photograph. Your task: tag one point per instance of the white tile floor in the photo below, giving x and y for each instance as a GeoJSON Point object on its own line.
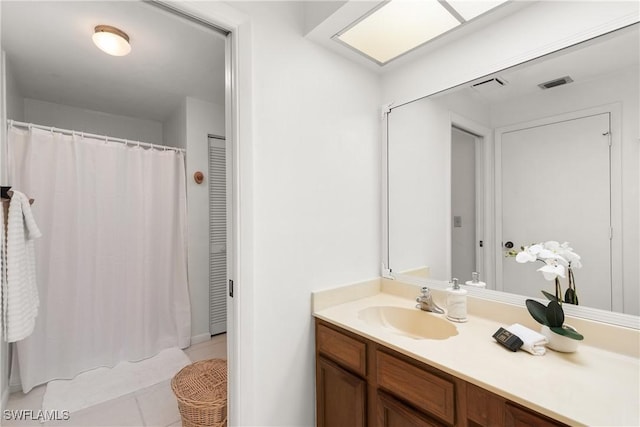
{"type": "Point", "coordinates": [153, 406]}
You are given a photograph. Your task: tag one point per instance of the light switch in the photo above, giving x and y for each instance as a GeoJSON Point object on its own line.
{"type": "Point", "coordinates": [457, 221]}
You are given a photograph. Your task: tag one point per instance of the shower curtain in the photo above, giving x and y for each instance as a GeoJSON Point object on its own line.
{"type": "Point", "coordinates": [112, 262]}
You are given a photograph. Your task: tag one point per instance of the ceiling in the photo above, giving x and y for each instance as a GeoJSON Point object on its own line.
{"type": "Point", "coordinates": [50, 52]}
{"type": "Point", "coordinates": [324, 22]}
{"type": "Point", "coordinates": [587, 61]}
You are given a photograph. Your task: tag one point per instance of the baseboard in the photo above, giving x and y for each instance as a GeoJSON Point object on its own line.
{"type": "Point", "coordinates": [200, 338]}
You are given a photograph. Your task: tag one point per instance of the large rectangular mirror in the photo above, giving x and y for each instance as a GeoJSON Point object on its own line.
{"type": "Point", "coordinates": [547, 150]}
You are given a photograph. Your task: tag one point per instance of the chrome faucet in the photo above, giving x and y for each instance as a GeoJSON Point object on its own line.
{"type": "Point", "coordinates": [425, 302]}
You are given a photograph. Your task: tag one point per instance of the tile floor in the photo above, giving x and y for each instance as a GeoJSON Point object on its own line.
{"type": "Point", "coordinates": [153, 406]}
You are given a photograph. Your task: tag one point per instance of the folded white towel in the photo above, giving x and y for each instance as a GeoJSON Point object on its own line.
{"type": "Point", "coordinates": [533, 342]}
{"type": "Point", "coordinates": [20, 292]}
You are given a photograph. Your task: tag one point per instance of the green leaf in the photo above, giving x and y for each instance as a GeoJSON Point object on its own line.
{"type": "Point", "coordinates": [569, 333]}
{"type": "Point", "coordinates": [537, 311]}
{"type": "Point", "coordinates": [570, 297]}
{"type": "Point", "coordinates": [554, 314]}
{"type": "Point", "coordinates": [550, 296]}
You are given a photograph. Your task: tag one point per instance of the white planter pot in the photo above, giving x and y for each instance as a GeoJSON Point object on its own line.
{"type": "Point", "coordinates": [559, 342]}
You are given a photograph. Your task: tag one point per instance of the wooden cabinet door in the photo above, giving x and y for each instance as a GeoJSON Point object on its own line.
{"type": "Point", "coordinates": [392, 413]}
{"type": "Point", "coordinates": [484, 408]}
{"type": "Point", "coordinates": [341, 396]}
{"type": "Point", "coordinates": [519, 417]}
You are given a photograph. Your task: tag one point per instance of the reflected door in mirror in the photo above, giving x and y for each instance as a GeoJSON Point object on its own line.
{"type": "Point", "coordinates": [556, 186]}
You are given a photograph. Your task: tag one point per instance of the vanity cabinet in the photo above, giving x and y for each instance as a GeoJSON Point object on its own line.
{"type": "Point", "coordinates": [362, 383]}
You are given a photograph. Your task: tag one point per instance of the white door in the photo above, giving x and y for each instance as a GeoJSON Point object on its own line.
{"type": "Point", "coordinates": [556, 186]}
{"type": "Point", "coordinates": [217, 236]}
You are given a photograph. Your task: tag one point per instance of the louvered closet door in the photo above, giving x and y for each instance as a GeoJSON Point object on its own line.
{"type": "Point", "coordinates": [217, 236]}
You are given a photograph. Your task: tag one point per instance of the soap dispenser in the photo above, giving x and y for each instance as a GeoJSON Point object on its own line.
{"type": "Point", "coordinates": [475, 281]}
{"type": "Point", "coordinates": [456, 302]}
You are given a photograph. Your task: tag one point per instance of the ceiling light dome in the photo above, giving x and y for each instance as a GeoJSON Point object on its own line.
{"type": "Point", "coordinates": [111, 40]}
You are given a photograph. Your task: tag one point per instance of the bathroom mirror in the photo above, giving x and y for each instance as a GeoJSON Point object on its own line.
{"type": "Point", "coordinates": [546, 150]}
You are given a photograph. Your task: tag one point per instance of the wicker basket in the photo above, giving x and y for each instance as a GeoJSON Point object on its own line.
{"type": "Point", "coordinates": [201, 391]}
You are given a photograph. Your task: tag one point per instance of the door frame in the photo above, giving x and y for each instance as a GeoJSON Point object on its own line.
{"type": "Point", "coordinates": [238, 134]}
{"type": "Point", "coordinates": [615, 158]}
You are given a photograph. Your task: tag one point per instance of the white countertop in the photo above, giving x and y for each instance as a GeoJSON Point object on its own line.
{"type": "Point", "coordinates": [589, 387]}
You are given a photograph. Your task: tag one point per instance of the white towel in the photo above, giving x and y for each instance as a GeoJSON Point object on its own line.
{"type": "Point", "coordinates": [22, 302]}
{"type": "Point", "coordinates": [533, 342]}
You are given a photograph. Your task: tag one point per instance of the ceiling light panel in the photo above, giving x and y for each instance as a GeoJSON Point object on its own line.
{"type": "Point", "coordinates": [470, 9]}
{"type": "Point", "coordinates": [397, 27]}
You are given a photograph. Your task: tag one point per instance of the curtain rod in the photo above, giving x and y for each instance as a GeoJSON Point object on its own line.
{"type": "Point", "coordinates": [13, 123]}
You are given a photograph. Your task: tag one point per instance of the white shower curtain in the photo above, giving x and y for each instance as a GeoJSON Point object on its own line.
{"type": "Point", "coordinates": [112, 262]}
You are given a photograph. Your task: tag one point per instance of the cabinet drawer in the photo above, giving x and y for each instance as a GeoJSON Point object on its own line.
{"type": "Point", "coordinates": [347, 351]}
{"type": "Point", "coordinates": [426, 391]}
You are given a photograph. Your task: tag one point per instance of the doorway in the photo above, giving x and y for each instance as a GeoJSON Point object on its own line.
{"type": "Point", "coordinates": [117, 89]}
{"type": "Point", "coordinates": [467, 201]}
{"type": "Point", "coordinates": [463, 204]}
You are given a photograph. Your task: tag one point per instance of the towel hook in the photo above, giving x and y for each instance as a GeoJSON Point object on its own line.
{"type": "Point", "coordinates": [198, 177]}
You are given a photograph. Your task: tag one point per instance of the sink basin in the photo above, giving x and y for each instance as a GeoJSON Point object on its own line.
{"type": "Point", "coordinates": [412, 323]}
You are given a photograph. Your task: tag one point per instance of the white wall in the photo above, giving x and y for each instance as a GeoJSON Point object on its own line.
{"type": "Point", "coordinates": [201, 119]}
{"type": "Point", "coordinates": [15, 100]}
{"type": "Point", "coordinates": [316, 201]}
{"type": "Point", "coordinates": [4, 347]}
{"type": "Point", "coordinates": [83, 120]}
{"type": "Point", "coordinates": [14, 110]}
{"type": "Point", "coordinates": [174, 128]}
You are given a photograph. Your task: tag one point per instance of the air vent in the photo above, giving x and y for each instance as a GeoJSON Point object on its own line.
{"type": "Point", "coordinates": [490, 83]}
{"type": "Point", "coordinates": [556, 82]}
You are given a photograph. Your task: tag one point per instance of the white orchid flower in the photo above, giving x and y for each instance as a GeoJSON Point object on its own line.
{"type": "Point", "coordinates": [565, 246]}
{"type": "Point", "coordinates": [573, 259]}
{"type": "Point", "coordinates": [552, 270]}
{"type": "Point", "coordinates": [525, 256]}
{"type": "Point", "coordinates": [529, 254]}
{"type": "Point", "coordinates": [552, 245]}
{"type": "Point", "coordinates": [556, 256]}
{"type": "Point", "coordinates": [549, 254]}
